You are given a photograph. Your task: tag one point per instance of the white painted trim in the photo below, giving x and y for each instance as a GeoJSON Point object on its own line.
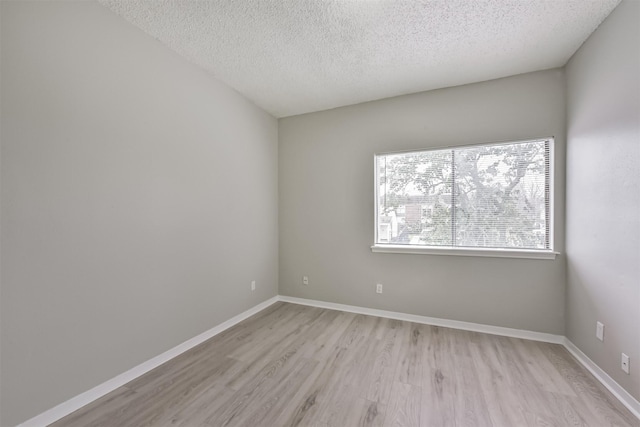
{"type": "Point", "coordinates": [466, 145]}
{"type": "Point", "coordinates": [77, 402]}
{"type": "Point", "coordinates": [464, 251]}
{"type": "Point", "coordinates": [616, 389]}
{"type": "Point", "coordinates": [434, 321]}
{"type": "Point", "coordinates": [484, 252]}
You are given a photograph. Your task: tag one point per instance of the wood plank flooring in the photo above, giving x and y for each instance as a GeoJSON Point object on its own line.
{"type": "Point", "coordinates": [292, 365]}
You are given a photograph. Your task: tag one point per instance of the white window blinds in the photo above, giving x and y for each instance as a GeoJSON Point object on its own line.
{"type": "Point", "coordinates": [483, 196]}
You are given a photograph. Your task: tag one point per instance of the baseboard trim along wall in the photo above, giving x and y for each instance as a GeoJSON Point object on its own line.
{"type": "Point", "coordinates": [75, 403]}
{"type": "Point", "coordinates": [621, 394]}
{"type": "Point", "coordinates": [434, 321]}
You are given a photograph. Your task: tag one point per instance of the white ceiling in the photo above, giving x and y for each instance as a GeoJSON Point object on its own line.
{"type": "Point", "coordinates": [297, 56]}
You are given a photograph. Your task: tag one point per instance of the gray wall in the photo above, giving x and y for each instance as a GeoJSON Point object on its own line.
{"type": "Point", "coordinates": [603, 194]}
{"type": "Point", "coordinates": [139, 200]}
{"type": "Point", "coordinates": [327, 201]}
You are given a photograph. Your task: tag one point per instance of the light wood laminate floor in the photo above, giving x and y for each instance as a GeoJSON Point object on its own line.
{"type": "Point", "coordinates": [292, 365]}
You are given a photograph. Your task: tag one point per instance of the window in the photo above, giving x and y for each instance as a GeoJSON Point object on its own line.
{"type": "Point", "coordinates": [492, 199]}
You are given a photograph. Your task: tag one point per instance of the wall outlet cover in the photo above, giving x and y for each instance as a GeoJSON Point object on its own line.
{"type": "Point", "coordinates": [624, 363]}
{"type": "Point", "coordinates": [600, 331]}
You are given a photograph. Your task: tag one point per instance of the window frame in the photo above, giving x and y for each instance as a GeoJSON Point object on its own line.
{"type": "Point", "coordinates": [467, 251]}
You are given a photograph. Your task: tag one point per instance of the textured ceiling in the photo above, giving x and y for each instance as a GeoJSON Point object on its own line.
{"type": "Point", "coordinates": [297, 56]}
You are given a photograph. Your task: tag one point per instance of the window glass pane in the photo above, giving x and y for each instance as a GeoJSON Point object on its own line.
{"type": "Point", "coordinates": [414, 198]}
{"type": "Point", "coordinates": [500, 196]}
{"type": "Point", "coordinates": [491, 196]}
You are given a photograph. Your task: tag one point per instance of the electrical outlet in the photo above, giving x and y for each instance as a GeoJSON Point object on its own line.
{"type": "Point", "coordinates": [600, 331]}
{"type": "Point", "coordinates": [624, 363]}
{"type": "Point", "coordinates": [379, 288]}
{"type": "Point", "coordinates": [253, 285]}
{"type": "Point", "coordinates": [305, 280]}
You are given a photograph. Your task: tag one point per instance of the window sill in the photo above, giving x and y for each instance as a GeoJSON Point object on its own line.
{"type": "Point", "coordinates": [495, 253]}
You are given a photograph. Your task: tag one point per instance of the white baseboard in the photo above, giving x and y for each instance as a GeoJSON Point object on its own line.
{"type": "Point", "coordinates": [620, 393]}
{"type": "Point", "coordinates": [434, 321]}
{"type": "Point", "coordinates": [77, 402]}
